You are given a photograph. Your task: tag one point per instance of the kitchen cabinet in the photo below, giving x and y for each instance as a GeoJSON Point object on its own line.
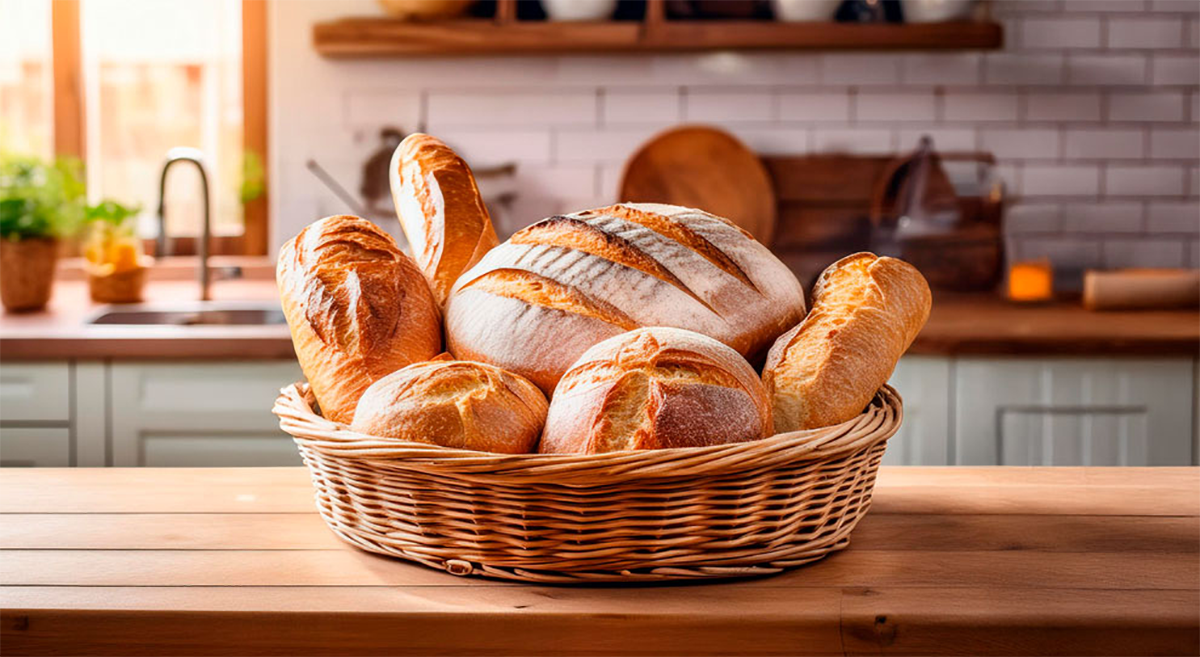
{"type": "Point", "coordinates": [35, 392]}
{"type": "Point", "coordinates": [924, 436]}
{"type": "Point", "coordinates": [199, 414]}
{"type": "Point", "coordinates": [35, 447]}
{"type": "Point", "coordinates": [1073, 412]}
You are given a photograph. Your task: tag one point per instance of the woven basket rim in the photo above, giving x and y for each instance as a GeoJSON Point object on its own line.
{"type": "Point", "coordinates": [878, 422]}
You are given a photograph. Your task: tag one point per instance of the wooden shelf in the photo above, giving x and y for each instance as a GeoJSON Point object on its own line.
{"type": "Point", "coordinates": [384, 37]}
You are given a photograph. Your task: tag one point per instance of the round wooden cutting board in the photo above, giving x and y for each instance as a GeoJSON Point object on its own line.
{"type": "Point", "coordinates": [706, 168]}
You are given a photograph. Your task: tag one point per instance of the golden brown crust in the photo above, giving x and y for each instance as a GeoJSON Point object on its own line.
{"type": "Point", "coordinates": [357, 307]}
{"type": "Point", "coordinates": [457, 404]}
{"type": "Point", "coordinates": [656, 388]}
{"type": "Point", "coordinates": [440, 210]}
{"type": "Point", "coordinates": [866, 312]}
{"type": "Point", "coordinates": [569, 282]}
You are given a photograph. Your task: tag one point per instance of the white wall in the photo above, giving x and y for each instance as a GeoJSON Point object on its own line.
{"type": "Point", "coordinates": [1092, 108]}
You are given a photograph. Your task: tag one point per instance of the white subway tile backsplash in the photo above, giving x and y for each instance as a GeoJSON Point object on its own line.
{"type": "Point", "coordinates": [1193, 254]}
{"type": "Point", "coordinates": [1075, 252]}
{"type": "Point", "coordinates": [1173, 217]}
{"type": "Point", "coordinates": [1060, 180]}
{"type": "Point", "coordinates": [1099, 5]}
{"type": "Point", "coordinates": [1090, 218]}
{"type": "Point", "coordinates": [728, 106]}
{"type": "Point", "coordinates": [942, 68]}
{"type": "Point", "coordinates": [872, 106]}
{"type": "Point", "coordinates": [944, 139]}
{"type": "Point", "coordinates": [488, 148]}
{"type": "Point", "coordinates": [1145, 106]}
{"type": "Point", "coordinates": [1175, 143]}
{"type": "Point", "coordinates": [1057, 33]}
{"type": "Point", "coordinates": [860, 69]}
{"type": "Point", "coordinates": [1007, 69]}
{"type": "Point", "coordinates": [643, 106]}
{"type": "Point", "coordinates": [1144, 180]}
{"type": "Point", "coordinates": [600, 146]}
{"type": "Point", "coordinates": [1145, 33]}
{"type": "Point", "coordinates": [1021, 143]}
{"type": "Point", "coordinates": [1176, 6]}
{"type": "Point", "coordinates": [1104, 70]}
{"type": "Point", "coordinates": [380, 108]}
{"type": "Point", "coordinates": [773, 140]}
{"type": "Point", "coordinates": [814, 106]}
{"type": "Point", "coordinates": [1105, 143]}
{"type": "Point", "coordinates": [1025, 218]}
{"type": "Point", "coordinates": [1176, 69]}
{"type": "Point", "coordinates": [853, 140]}
{"type": "Point", "coordinates": [557, 181]}
{"type": "Point", "coordinates": [454, 109]}
{"type": "Point", "coordinates": [733, 68]}
{"type": "Point", "coordinates": [1070, 106]}
{"type": "Point", "coordinates": [1135, 253]}
{"type": "Point", "coordinates": [979, 106]}
{"type": "Point", "coordinates": [1194, 181]}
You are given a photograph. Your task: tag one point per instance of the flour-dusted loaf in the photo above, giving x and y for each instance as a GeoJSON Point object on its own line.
{"type": "Point", "coordinates": [457, 404]}
{"type": "Point", "coordinates": [866, 311]}
{"type": "Point", "coordinates": [535, 303]}
{"type": "Point", "coordinates": [440, 210]}
{"type": "Point", "coordinates": [655, 388]}
{"type": "Point", "coordinates": [358, 309]}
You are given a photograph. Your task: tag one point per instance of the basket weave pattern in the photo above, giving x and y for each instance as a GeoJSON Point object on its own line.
{"type": "Point", "coordinates": [724, 511]}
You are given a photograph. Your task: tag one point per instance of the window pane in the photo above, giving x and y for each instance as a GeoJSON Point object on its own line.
{"type": "Point", "coordinates": [160, 74]}
{"type": "Point", "coordinates": [26, 78]}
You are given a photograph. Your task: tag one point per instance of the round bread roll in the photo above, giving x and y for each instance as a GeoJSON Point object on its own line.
{"type": "Point", "coordinates": [357, 307]}
{"type": "Point", "coordinates": [656, 388]}
{"type": "Point", "coordinates": [866, 312]}
{"type": "Point", "coordinates": [535, 303]}
{"type": "Point", "coordinates": [456, 404]}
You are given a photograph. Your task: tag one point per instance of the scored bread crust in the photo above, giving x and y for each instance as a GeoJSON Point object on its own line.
{"type": "Point", "coordinates": [440, 210]}
{"type": "Point", "coordinates": [458, 404]}
{"type": "Point", "coordinates": [357, 307]}
{"type": "Point", "coordinates": [534, 304]}
{"type": "Point", "coordinates": [656, 388]}
{"type": "Point", "coordinates": [866, 312]}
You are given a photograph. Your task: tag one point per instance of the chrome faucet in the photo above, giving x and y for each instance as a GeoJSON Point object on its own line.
{"type": "Point", "coordinates": [185, 154]}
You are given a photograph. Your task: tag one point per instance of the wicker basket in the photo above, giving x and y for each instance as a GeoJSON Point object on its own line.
{"type": "Point", "coordinates": [724, 511]}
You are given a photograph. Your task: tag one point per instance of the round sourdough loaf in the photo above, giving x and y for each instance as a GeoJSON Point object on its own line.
{"type": "Point", "coordinates": [656, 388]}
{"type": "Point", "coordinates": [533, 304]}
{"type": "Point", "coordinates": [357, 307]}
{"type": "Point", "coordinates": [457, 404]}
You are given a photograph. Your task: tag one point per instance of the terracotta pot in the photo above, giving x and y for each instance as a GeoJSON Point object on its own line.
{"type": "Point", "coordinates": [27, 273]}
{"type": "Point", "coordinates": [118, 287]}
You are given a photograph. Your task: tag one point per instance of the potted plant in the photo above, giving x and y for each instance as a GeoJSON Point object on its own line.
{"type": "Point", "coordinates": [116, 266]}
{"type": "Point", "coordinates": [39, 203]}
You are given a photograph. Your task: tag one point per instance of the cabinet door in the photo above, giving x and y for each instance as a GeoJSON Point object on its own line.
{"type": "Point", "coordinates": [35, 447]}
{"type": "Point", "coordinates": [200, 414]}
{"type": "Point", "coordinates": [924, 436]}
{"type": "Point", "coordinates": [35, 392]}
{"type": "Point", "coordinates": [1073, 412]}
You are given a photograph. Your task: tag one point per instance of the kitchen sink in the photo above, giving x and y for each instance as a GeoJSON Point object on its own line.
{"type": "Point", "coordinates": [194, 314]}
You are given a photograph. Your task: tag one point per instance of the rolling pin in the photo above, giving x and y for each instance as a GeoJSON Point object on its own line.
{"type": "Point", "coordinates": [1130, 289]}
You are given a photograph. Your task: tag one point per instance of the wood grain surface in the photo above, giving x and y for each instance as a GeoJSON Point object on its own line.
{"type": "Point", "coordinates": [949, 561]}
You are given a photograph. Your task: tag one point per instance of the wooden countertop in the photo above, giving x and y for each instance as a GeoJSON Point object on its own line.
{"type": "Point", "coordinates": [959, 325]}
{"type": "Point", "coordinates": [948, 561]}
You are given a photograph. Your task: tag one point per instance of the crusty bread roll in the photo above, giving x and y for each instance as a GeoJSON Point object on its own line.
{"type": "Point", "coordinates": [866, 311]}
{"type": "Point", "coordinates": [440, 210]}
{"type": "Point", "coordinates": [655, 388]}
{"type": "Point", "coordinates": [358, 309]}
{"type": "Point", "coordinates": [538, 301]}
{"type": "Point", "coordinates": [456, 404]}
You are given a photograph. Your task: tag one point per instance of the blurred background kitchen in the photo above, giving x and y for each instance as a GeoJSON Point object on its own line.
{"type": "Point", "coordinates": [1038, 160]}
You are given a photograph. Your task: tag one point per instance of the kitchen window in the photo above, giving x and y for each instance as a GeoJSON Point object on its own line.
{"type": "Point", "coordinates": [117, 83]}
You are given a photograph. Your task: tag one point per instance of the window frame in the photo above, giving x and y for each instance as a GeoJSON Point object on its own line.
{"type": "Point", "coordinates": [70, 120]}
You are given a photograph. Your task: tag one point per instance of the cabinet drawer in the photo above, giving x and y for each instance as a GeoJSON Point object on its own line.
{"type": "Point", "coordinates": [35, 447]}
{"type": "Point", "coordinates": [165, 450]}
{"type": "Point", "coordinates": [35, 392]}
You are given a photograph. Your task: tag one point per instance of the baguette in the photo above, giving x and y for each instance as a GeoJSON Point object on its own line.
{"type": "Point", "coordinates": [656, 388]}
{"type": "Point", "coordinates": [866, 312]}
{"type": "Point", "coordinates": [440, 210]}
{"type": "Point", "coordinates": [456, 404]}
{"type": "Point", "coordinates": [357, 307]}
{"type": "Point", "coordinates": [534, 304]}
